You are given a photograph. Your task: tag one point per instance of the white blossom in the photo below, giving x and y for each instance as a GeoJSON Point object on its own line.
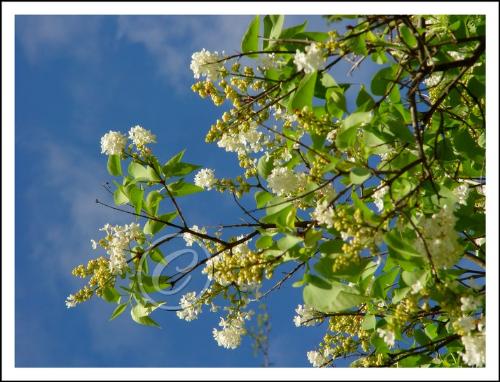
{"type": "Point", "coordinates": [140, 136]}
{"type": "Point", "coordinates": [94, 244]}
{"type": "Point", "coordinates": [249, 140]}
{"type": "Point", "coordinates": [388, 336]}
{"type": "Point", "coordinates": [117, 241]}
{"type": "Point", "coordinates": [190, 307]}
{"type": "Point", "coordinates": [70, 301]}
{"type": "Point", "coordinates": [189, 238]}
{"type": "Point", "coordinates": [440, 237]}
{"type": "Point", "coordinates": [205, 178]}
{"type": "Point", "coordinates": [306, 316]}
{"type": "Point", "coordinates": [284, 181]}
{"type": "Point", "coordinates": [117, 261]}
{"type": "Point", "coordinates": [330, 137]}
{"type": "Point", "coordinates": [378, 197]}
{"type": "Point", "coordinates": [469, 304]}
{"type": "Point", "coordinates": [113, 143]}
{"type": "Point", "coordinates": [466, 323]}
{"type": "Point", "coordinates": [204, 63]}
{"type": "Point", "coordinates": [417, 287]}
{"type": "Point", "coordinates": [309, 61]}
{"type": "Point", "coordinates": [324, 214]}
{"type": "Point", "coordinates": [233, 328]}
{"type": "Point", "coordinates": [475, 349]}
{"type": "Point", "coordinates": [462, 192]}
{"type": "Point", "coordinates": [316, 358]}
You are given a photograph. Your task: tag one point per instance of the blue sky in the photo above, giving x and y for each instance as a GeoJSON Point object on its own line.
{"type": "Point", "coordinates": [78, 77]}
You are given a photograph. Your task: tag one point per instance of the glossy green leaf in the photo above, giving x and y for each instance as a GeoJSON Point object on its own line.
{"type": "Point", "coordinates": [181, 188]}
{"type": "Point", "coordinates": [303, 96]}
{"type": "Point", "coordinates": [250, 41]}
{"type": "Point", "coordinates": [114, 165]}
{"type": "Point", "coordinates": [408, 36]}
{"type": "Point", "coordinates": [359, 174]}
{"type": "Point", "coordinates": [118, 311]}
{"type": "Point", "coordinates": [152, 227]}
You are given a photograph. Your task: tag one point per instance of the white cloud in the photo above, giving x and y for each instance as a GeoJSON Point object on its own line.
{"type": "Point", "coordinates": [171, 40]}
{"type": "Point", "coordinates": [43, 36]}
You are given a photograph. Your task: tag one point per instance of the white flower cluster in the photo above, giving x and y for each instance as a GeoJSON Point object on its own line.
{"type": "Point", "coordinates": [378, 197]}
{"type": "Point", "coordinates": [117, 241]}
{"type": "Point", "coordinates": [113, 143]}
{"type": "Point", "coordinates": [189, 238]}
{"type": "Point", "coordinates": [475, 349]}
{"type": "Point", "coordinates": [248, 141]}
{"type": "Point", "coordinates": [306, 316]}
{"type": "Point", "coordinates": [417, 287]}
{"type": "Point", "coordinates": [233, 328]}
{"type": "Point", "coordinates": [271, 61]}
{"type": "Point", "coordinates": [205, 178]}
{"type": "Point", "coordinates": [388, 336]}
{"type": "Point", "coordinates": [441, 238]}
{"type": "Point", "coordinates": [280, 113]}
{"type": "Point", "coordinates": [191, 308]}
{"type": "Point", "coordinates": [70, 301]}
{"type": "Point", "coordinates": [140, 136]}
{"type": "Point", "coordinates": [462, 192]}
{"type": "Point", "coordinates": [316, 358]}
{"type": "Point", "coordinates": [284, 181]}
{"type": "Point", "coordinates": [309, 61]}
{"type": "Point", "coordinates": [324, 214]}
{"type": "Point", "coordinates": [204, 63]}
{"type": "Point", "coordinates": [469, 304]}
{"type": "Point", "coordinates": [466, 323]}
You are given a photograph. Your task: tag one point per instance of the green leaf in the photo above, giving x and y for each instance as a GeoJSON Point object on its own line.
{"type": "Point", "coordinates": [110, 294]}
{"type": "Point", "coordinates": [141, 173]}
{"type": "Point", "coordinates": [337, 298]}
{"type": "Point", "coordinates": [382, 80]}
{"type": "Point", "coordinates": [152, 202]}
{"type": "Point", "coordinates": [359, 174]}
{"type": "Point", "coordinates": [264, 242]}
{"type": "Point", "coordinates": [399, 245]}
{"type": "Point", "coordinates": [114, 165]}
{"type": "Point", "coordinates": [284, 218]}
{"type": "Point", "coordinates": [181, 188]}
{"type": "Point", "coordinates": [369, 322]}
{"type": "Point", "coordinates": [179, 169]}
{"type": "Point", "coordinates": [288, 241]}
{"type": "Point", "coordinates": [273, 25]}
{"type": "Point", "coordinates": [384, 282]}
{"type": "Point", "coordinates": [152, 284]}
{"type": "Point", "coordinates": [292, 31]}
{"type": "Point", "coordinates": [146, 321]}
{"type": "Point", "coordinates": [408, 36]}
{"type": "Point", "coordinates": [264, 167]}
{"type": "Point", "coordinates": [152, 227]}
{"type": "Point", "coordinates": [346, 137]}
{"type": "Point", "coordinates": [118, 311]}
{"type": "Point", "coordinates": [157, 256]}
{"type": "Point", "coordinates": [331, 246]}
{"type": "Point", "coordinates": [261, 198]}
{"type": "Point", "coordinates": [119, 195]}
{"type": "Point", "coordinates": [136, 197]}
{"type": "Point", "coordinates": [304, 93]}
{"type": "Point", "coordinates": [250, 41]}
{"type": "Point", "coordinates": [364, 100]}
{"type": "Point", "coordinates": [359, 118]}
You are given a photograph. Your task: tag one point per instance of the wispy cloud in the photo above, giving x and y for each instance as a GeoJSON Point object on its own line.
{"type": "Point", "coordinates": [172, 39]}
{"type": "Point", "coordinates": [43, 36]}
